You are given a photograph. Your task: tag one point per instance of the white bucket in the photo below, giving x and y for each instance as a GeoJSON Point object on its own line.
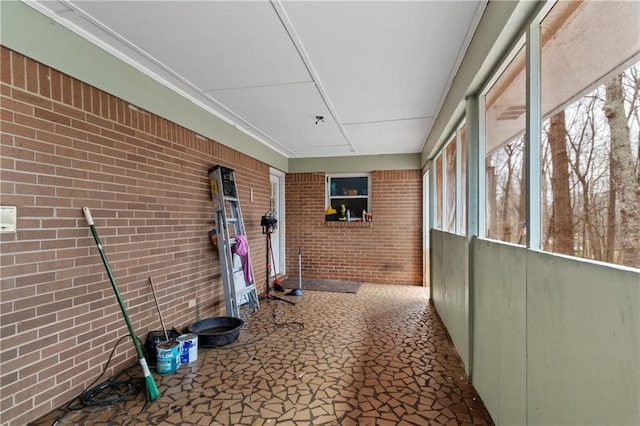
{"type": "Point", "coordinates": [188, 348]}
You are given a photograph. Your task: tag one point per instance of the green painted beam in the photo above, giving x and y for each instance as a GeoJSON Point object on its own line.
{"type": "Point", "coordinates": [355, 164]}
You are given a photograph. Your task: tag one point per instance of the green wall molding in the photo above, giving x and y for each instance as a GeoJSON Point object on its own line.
{"type": "Point", "coordinates": [355, 164]}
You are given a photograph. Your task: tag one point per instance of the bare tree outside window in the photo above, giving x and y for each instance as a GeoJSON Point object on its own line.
{"type": "Point", "coordinates": [506, 199]}
{"type": "Point", "coordinates": [463, 178]}
{"type": "Point", "coordinates": [623, 171]}
{"type": "Point", "coordinates": [504, 188]}
{"type": "Point", "coordinates": [439, 193]}
{"type": "Point", "coordinates": [450, 153]}
{"type": "Point", "coordinates": [601, 153]}
{"type": "Point", "coordinates": [590, 156]}
{"type": "Point", "coordinates": [562, 221]}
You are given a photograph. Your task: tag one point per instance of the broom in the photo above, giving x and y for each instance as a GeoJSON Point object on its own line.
{"type": "Point", "coordinates": [152, 390]}
{"type": "Point", "coordinates": [277, 284]}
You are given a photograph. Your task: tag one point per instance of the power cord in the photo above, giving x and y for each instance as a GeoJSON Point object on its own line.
{"type": "Point", "coordinates": [110, 392]}
{"type": "Point", "coordinates": [113, 391]}
{"type": "Point", "coordinates": [290, 324]}
{"type": "Point", "coordinates": [298, 326]}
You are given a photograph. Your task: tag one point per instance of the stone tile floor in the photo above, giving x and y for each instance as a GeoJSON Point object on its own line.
{"type": "Point", "coordinates": [378, 357]}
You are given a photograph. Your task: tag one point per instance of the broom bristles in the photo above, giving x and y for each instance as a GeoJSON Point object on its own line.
{"type": "Point", "coordinates": [152, 390]}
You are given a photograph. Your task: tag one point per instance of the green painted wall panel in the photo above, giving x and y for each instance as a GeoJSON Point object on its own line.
{"type": "Point", "coordinates": [583, 340]}
{"type": "Point", "coordinates": [499, 329]}
{"type": "Point", "coordinates": [556, 340]}
{"type": "Point", "coordinates": [450, 288]}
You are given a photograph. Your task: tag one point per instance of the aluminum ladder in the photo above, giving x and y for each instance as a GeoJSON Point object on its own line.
{"type": "Point", "coordinates": [229, 225]}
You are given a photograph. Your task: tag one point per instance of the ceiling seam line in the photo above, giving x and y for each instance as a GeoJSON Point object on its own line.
{"type": "Point", "coordinates": [388, 121]}
{"type": "Point", "coordinates": [291, 32]}
{"type": "Point", "coordinates": [259, 86]}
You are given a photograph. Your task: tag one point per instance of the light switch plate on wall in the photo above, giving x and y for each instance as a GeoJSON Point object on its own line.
{"type": "Point", "coordinates": [8, 218]}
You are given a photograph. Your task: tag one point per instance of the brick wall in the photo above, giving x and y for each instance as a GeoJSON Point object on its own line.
{"type": "Point", "coordinates": [387, 250]}
{"type": "Point", "coordinates": [66, 145]}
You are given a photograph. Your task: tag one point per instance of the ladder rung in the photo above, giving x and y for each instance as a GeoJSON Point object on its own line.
{"type": "Point", "coordinates": [232, 199]}
{"type": "Point", "coordinates": [246, 290]}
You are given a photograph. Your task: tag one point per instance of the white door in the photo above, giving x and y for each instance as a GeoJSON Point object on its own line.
{"type": "Point", "coordinates": [426, 250]}
{"type": "Point", "coordinates": [276, 179]}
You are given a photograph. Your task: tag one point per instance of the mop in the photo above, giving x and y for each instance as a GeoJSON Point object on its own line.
{"type": "Point", "coordinates": [298, 291]}
{"type": "Point", "coordinates": [277, 284]}
{"type": "Point", "coordinates": [166, 336]}
{"type": "Point", "coordinates": [152, 390]}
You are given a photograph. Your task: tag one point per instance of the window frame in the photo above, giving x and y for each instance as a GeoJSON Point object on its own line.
{"type": "Point", "coordinates": [329, 197]}
{"type": "Point", "coordinates": [521, 42]}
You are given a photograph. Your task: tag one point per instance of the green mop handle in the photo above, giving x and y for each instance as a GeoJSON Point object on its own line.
{"type": "Point", "coordinates": [87, 215]}
{"type": "Point", "coordinates": [152, 390]}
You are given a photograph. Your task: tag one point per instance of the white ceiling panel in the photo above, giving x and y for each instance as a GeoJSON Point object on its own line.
{"type": "Point", "coordinates": [287, 113]}
{"type": "Point", "coordinates": [377, 71]}
{"type": "Point", "coordinates": [383, 60]}
{"type": "Point", "coordinates": [212, 44]}
{"type": "Point", "coordinates": [396, 137]}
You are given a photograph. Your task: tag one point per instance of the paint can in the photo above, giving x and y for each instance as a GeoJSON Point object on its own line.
{"type": "Point", "coordinates": [151, 344]}
{"type": "Point", "coordinates": [168, 355]}
{"type": "Point", "coordinates": [188, 348]}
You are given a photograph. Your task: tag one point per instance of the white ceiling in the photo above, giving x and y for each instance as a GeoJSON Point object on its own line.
{"type": "Point", "coordinates": [376, 71]}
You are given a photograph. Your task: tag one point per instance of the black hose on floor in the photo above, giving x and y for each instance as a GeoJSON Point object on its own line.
{"type": "Point", "coordinates": [110, 392]}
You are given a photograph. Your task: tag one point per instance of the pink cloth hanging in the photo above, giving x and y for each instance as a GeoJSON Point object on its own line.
{"type": "Point", "coordinates": [241, 248]}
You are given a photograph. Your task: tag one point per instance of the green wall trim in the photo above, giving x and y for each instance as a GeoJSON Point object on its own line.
{"type": "Point", "coordinates": [29, 32]}
{"type": "Point", "coordinates": [355, 164]}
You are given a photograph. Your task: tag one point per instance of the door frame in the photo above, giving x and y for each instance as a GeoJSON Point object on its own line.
{"type": "Point", "coordinates": [426, 225]}
{"type": "Point", "coordinates": [281, 228]}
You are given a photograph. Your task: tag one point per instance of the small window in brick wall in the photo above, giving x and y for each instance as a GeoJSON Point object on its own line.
{"type": "Point", "coordinates": [348, 195]}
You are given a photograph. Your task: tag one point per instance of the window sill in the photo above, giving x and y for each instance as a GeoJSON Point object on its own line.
{"type": "Point", "coordinates": [343, 224]}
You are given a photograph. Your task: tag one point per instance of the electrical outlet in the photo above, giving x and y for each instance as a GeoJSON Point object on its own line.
{"type": "Point", "coordinates": [192, 303]}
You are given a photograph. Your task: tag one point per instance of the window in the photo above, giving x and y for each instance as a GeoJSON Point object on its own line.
{"type": "Point", "coordinates": [504, 159]}
{"type": "Point", "coordinates": [451, 174]}
{"type": "Point", "coordinates": [590, 170]}
{"type": "Point", "coordinates": [351, 191]}
{"type": "Point", "coordinates": [462, 226]}
{"type": "Point", "coordinates": [438, 171]}
{"type": "Point", "coordinates": [451, 183]}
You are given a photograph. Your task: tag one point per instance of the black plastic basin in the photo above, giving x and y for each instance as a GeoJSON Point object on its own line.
{"type": "Point", "coordinates": [217, 331]}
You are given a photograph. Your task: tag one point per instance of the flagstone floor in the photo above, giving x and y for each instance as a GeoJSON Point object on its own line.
{"type": "Point", "coordinates": [378, 357]}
